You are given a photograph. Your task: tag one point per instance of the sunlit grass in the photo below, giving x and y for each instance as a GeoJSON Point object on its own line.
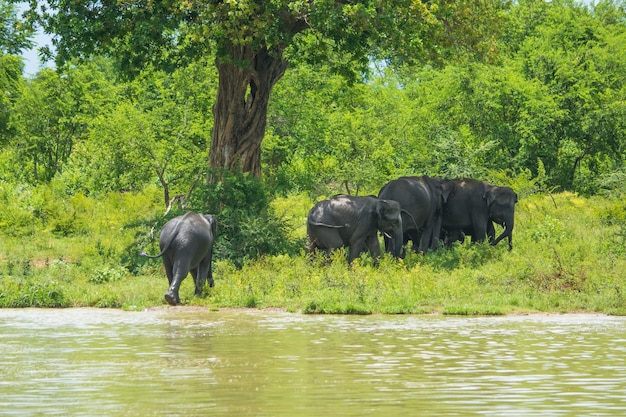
{"type": "Point", "coordinates": [569, 255]}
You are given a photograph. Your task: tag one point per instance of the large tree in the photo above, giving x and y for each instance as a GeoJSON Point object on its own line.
{"type": "Point", "coordinates": [250, 40]}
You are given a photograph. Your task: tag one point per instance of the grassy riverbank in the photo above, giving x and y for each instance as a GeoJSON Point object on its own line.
{"type": "Point", "coordinates": [569, 255]}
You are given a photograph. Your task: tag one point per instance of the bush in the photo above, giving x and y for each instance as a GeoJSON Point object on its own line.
{"type": "Point", "coordinates": [107, 274]}
{"type": "Point", "coordinates": [19, 294]}
{"type": "Point", "coordinates": [246, 225]}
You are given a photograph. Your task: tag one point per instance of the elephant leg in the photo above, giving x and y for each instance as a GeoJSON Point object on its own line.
{"type": "Point", "coordinates": [458, 236]}
{"type": "Point", "coordinates": [180, 271]}
{"type": "Point", "coordinates": [356, 247]}
{"type": "Point", "coordinates": [201, 274]}
{"type": "Point", "coordinates": [479, 226]}
{"type": "Point", "coordinates": [329, 240]}
{"type": "Point", "coordinates": [167, 263]}
{"type": "Point", "coordinates": [414, 236]}
{"type": "Point", "coordinates": [198, 280]}
{"type": "Point", "coordinates": [435, 233]}
{"type": "Point", "coordinates": [491, 233]}
{"type": "Point", "coordinates": [426, 240]}
{"type": "Point", "coordinates": [209, 274]}
{"type": "Point", "coordinates": [312, 248]}
{"type": "Point", "coordinates": [453, 235]}
{"type": "Point", "coordinates": [373, 245]}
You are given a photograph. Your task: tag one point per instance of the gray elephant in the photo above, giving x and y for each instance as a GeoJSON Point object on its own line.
{"type": "Point", "coordinates": [473, 206]}
{"type": "Point", "coordinates": [186, 244]}
{"type": "Point", "coordinates": [421, 200]}
{"type": "Point", "coordinates": [354, 222]}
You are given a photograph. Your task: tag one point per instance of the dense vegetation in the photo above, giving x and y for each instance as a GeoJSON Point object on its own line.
{"type": "Point", "coordinates": [92, 160]}
{"type": "Point", "coordinates": [253, 43]}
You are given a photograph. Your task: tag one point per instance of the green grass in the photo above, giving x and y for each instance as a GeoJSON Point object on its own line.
{"type": "Point", "coordinates": [569, 256]}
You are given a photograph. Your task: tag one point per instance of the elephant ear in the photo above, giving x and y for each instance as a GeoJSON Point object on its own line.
{"type": "Point", "coordinates": [490, 195]}
{"type": "Point", "coordinates": [447, 189]}
{"type": "Point", "coordinates": [382, 209]}
{"type": "Point", "coordinates": [212, 222]}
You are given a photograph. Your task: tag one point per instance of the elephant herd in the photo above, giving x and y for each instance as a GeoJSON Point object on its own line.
{"type": "Point", "coordinates": [421, 209]}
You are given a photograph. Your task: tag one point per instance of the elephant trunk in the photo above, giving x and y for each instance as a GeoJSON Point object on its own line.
{"type": "Point", "coordinates": [397, 241]}
{"type": "Point", "coordinates": [508, 232]}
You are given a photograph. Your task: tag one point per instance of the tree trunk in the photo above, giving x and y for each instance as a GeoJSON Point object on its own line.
{"type": "Point", "coordinates": [246, 80]}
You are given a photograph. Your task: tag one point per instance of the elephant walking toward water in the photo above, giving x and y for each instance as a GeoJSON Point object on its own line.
{"type": "Point", "coordinates": [186, 244]}
{"type": "Point", "coordinates": [473, 206]}
{"type": "Point", "coordinates": [354, 222]}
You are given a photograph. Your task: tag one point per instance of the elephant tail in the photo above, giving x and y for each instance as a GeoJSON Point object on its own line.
{"type": "Point", "coordinates": [146, 254]}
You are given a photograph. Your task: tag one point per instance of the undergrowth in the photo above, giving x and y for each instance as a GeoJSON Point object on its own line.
{"type": "Point", "coordinates": [569, 255]}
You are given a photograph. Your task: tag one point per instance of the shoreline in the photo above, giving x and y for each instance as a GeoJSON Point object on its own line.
{"type": "Point", "coordinates": [197, 308]}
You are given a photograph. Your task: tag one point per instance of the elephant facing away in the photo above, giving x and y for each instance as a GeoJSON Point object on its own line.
{"type": "Point", "coordinates": [421, 200]}
{"type": "Point", "coordinates": [354, 222]}
{"type": "Point", "coordinates": [186, 244]}
{"type": "Point", "coordinates": [473, 207]}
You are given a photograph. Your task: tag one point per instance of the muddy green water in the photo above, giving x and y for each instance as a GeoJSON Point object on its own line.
{"type": "Point", "coordinates": [88, 362]}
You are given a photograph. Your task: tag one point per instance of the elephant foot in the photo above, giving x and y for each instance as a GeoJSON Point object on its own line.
{"type": "Point", "coordinates": [171, 300]}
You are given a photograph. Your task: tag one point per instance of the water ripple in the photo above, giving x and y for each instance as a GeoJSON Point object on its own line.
{"type": "Point", "coordinates": [108, 362]}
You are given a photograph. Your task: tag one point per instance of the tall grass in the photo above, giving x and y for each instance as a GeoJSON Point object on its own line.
{"type": "Point", "coordinates": [59, 251]}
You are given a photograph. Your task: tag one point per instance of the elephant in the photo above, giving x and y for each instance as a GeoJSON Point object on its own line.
{"type": "Point", "coordinates": [421, 199]}
{"type": "Point", "coordinates": [473, 206]}
{"type": "Point", "coordinates": [186, 244]}
{"type": "Point", "coordinates": [450, 235]}
{"type": "Point", "coordinates": [353, 221]}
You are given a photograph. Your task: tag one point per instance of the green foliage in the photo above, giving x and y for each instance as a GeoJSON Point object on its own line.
{"type": "Point", "coordinates": [170, 32]}
{"type": "Point", "coordinates": [550, 108]}
{"type": "Point", "coordinates": [339, 138]}
{"type": "Point", "coordinates": [568, 255]}
{"type": "Point", "coordinates": [246, 226]}
{"type": "Point", "coordinates": [248, 40]}
{"type": "Point", "coordinates": [472, 310]}
{"type": "Point", "coordinates": [15, 34]}
{"type": "Point", "coordinates": [11, 85]}
{"type": "Point", "coordinates": [19, 294]}
{"type": "Point", "coordinates": [89, 161]}
{"type": "Point", "coordinates": [53, 114]}
{"type": "Point", "coordinates": [158, 129]}
{"type": "Point", "coordinates": [107, 274]}
{"type": "Point", "coordinates": [576, 59]}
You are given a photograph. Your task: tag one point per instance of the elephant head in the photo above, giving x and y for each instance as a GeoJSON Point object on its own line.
{"type": "Point", "coordinates": [390, 223]}
{"type": "Point", "coordinates": [501, 208]}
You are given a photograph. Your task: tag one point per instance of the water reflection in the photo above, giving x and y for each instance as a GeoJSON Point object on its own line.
{"type": "Point", "coordinates": [171, 362]}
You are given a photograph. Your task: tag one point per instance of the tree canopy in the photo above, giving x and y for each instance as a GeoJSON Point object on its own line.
{"type": "Point", "coordinates": [546, 101]}
{"type": "Point", "coordinates": [249, 39]}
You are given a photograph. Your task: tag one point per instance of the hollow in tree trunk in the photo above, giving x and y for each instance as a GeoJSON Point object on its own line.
{"type": "Point", "coordinates": [246, 79]}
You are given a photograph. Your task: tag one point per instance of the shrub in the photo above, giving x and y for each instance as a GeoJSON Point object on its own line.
{"type": "Point", "coordinates": [17, 294]}
{"type": "Point", "coordinates": [107, 274]}
{"type": "Point", "coordinates": [246, 225]}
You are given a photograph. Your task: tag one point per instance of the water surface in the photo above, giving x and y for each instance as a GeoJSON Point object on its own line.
{"type": "Point", "coordinates": [90, 362]}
